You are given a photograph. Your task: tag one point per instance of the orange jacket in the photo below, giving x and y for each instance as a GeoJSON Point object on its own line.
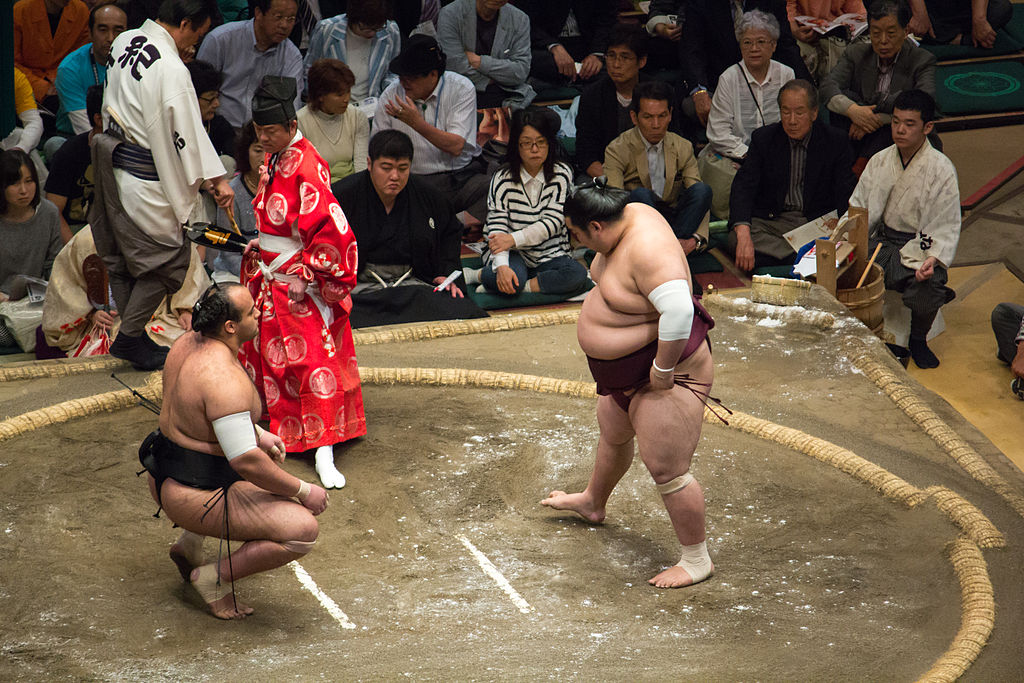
{"type": "Point", "coordinates": [37, 52]}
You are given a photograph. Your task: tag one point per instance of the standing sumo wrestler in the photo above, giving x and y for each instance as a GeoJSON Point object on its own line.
{"type": "Point", "coordinates": [645, 336]}
{"type": "Point", "coordinates": [303, 360]}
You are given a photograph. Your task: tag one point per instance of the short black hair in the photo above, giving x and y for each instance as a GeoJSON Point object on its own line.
{"type": "Point", "coordinates": [173, 12]}
{"type": "Point", "coordinates": [93, 102]}
{"type": "Point", "coordinates": [594, 200]}
{"type": "Point", "coordinates": [11, 162]}
{"type": "Point", "coordinates": [800, 84]}
{"type": "Point", "coordinates": [205, 76]}
{"type": "Point", "coordinates": [368, 12]}
{"type": "Point", "coordinates": [881, 9]}
{"type": "Point", "coordinates": [100, 5]}
{"type": "Point", "coordinates": [393, 144]}
{"type": "Point", "coordinates": [916, 100]}
{"type": "Point", "coordinates": [631, 36]}
{"type": "Point", "coordinates": [652, 90]}
{"type": "Point", "coordinates": [214, 308]}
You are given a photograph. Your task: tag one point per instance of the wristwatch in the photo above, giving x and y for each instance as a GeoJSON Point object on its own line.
{"type": "Point", "coordinates": [702, 243]}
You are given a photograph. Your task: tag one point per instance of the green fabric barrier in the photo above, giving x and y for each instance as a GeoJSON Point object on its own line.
{"type": "Point", "coordinates": [775, 271]}
{"type": "Point", "coordinates": [1016, 26]}
{"type": "Point", "coordinates": [1005, 44]}
{"type": "Point", "coordinates": [980, 88]}
{"type": "Point", "coordinates": [490, 302]}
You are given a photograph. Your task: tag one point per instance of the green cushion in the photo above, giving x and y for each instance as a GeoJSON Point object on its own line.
{"type": "Point", "coordinates": [1005, 44]}
{"type": "Point", "coordinates": [703, 263]}
{"type": "Point", "coordinates": [490, 302]}
{"type": "Point", "coordinates": [556, 93]}
{"type": "Point", "coordinates": [980, 88]}
{"type": "Point", "coordinates": [775, 271]}
{"type": "Point", "coordinates": [569, 145]}
{"type": "Point", "coordinates": [1016, 26]}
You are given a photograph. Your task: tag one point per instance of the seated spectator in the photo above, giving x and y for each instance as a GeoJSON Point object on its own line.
{"type": "Point", "coordinates": [45, 32]}
{"type": "Point", "coordinates": [366, 39]}
{"type": "Point", "coordinates": [27, 136]}
{"type": "Point", "coordinates": [746, 99]}
{"type": "Point", "coordinates": [796, 170]}
{"type": "Point", "coordinates": [913, 201]}
{"type": "Point", "coordinates": [710, 46]}
{"type": "Point", "coordinates": [596, 125]}
{"type": "Point", "coordinates": [246, 51]}
{"type": "Point", "coordinates": [567, 33]}
{"type": "Point", "coordinates": [207, 81]}
{"type": "Point", "coordinates": [409, 240]}
{"type": "Point", "coordinates": [339, 131]}
{"type": "Point", "coordinates": [861, 90]}
{"type": "Point", "coordinates": [821, 52]}
{"type": "Point", "coordinates": [527, 241]}
{"type": "Point", "coordinates": [29, 230]}
{"type": "Point", "coordinates": [659, 168]}
{"type": "Point", "coordinates": [70, 313]}
{"type": "Point", "coordinates": [942, 22]}
{"type": "Point", "coordinates": [437, 110]}
{"type": "Point", "coordinates": [665, 26]}
{"type": "Point", "coordinates": [85, 67]}
{"type": "Point", "coordinates": [488, 42]}
{"type": "Point", "coordinates": [1008, 327]}
{"type": "Point", "coordinates": [70, 183]}
{"type": "Point", "coordinates": [248, 159]}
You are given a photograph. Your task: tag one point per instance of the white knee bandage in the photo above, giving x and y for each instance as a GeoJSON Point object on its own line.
{"type": "Point", "coordinates": [674, 301]}
{"type": "Point", "coordinates": [677, 484]}
{"type": "Point", "coordinates": [235, 434]}
{"type": "Point", "coordinates": [298, 547]}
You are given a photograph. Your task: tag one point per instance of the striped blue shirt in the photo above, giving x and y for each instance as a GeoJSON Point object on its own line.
{"type": "Point", "coordinates": [328, 41]}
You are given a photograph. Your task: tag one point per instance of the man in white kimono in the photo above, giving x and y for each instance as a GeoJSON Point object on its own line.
{"type": "Point", "coordinates": [913, 201]}
{"type": "Point", "coordinates": [151, 163]}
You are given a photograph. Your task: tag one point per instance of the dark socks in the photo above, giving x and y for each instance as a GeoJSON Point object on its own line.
{"type": "Point", "coordinates": [922, 355]}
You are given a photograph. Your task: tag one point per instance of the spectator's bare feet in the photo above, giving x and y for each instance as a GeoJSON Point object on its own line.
{"type": "Point", "coordinates": [580, 503]}
{"type": "Point", "coordinates": [219, 598]}
{"type": "Point", "coordinates": [676, 577]}
{"type": "Point", "coordinates": [187, 553]}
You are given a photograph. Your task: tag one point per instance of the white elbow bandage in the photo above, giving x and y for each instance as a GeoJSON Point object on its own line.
{"type": "Point", "coordinates": [674, 302]}
{"type": "Point", "coordinates": [235, 434]}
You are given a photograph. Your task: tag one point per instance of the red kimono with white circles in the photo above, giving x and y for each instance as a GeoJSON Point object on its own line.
{"type": "Point", "coordinates": [304, 364]}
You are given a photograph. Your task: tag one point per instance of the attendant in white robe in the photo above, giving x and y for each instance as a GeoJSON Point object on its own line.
{"type": "Point", "coordinates": [913, 201]}
{"type": "Point", "coordinates": [151, 105]}
{"type": "Point", "coordinates": [69, 315]}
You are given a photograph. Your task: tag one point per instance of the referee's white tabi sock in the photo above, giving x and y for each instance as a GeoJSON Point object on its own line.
{"type": "Point", "coordinates": [329, 475]}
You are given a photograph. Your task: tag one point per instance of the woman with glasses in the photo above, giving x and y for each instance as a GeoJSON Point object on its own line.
{"type": "Point", "coordinates": [365, 39]}
{"type": "Point", "coordinates": [527, 243]}
{"type": "Point", "coordinates": [206, 80]}
{"type": "Point", "coordinates": [744, 101]}
{"type": "Point", "coordinates": [339, 131]}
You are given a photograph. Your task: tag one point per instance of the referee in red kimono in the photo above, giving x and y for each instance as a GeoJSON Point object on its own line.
{"type": "Point", "coordinates": [303, 360]}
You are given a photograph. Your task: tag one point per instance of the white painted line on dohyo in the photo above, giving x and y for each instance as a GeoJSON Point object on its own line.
{"type": "Point", "coordinates": [493, 572]}
{"type": "Point", "coordinates": [309, 584]}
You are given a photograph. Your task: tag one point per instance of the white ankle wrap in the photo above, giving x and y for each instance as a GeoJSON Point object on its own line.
{"type": "Point", "coordinates": [677, 484]}
{"type": "Point", "coordinates": [696, 561]}
{"type": "Point", "coordinates": [298, 547]}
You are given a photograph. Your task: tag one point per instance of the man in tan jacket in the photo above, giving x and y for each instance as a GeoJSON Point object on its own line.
{"type": "Point", "coordinates": [659, 168]}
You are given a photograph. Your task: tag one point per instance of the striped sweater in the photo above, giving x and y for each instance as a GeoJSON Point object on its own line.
{"type": "Point", "coordinates": [538, 229]}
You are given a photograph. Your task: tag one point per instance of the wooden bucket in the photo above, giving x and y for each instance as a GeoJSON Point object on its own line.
{"type": "Point", "coordinates": [865, 302]}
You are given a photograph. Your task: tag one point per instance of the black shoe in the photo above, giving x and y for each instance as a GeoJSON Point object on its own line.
{"type": "Point", "coordinates": [153, 346]}
{"type": "Point", "coordinates": [922, 355]}
{"type": "Point", "coordinates": [137, 352]}
{"type": "Point", "coordinates": [902, 354]}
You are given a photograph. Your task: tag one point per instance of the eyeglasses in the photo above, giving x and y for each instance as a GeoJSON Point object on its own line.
{"type": "Point", "coordinates": [210, 99]}
{"type": "Point", "coordinates": [530, 144]}
{"type": "Point", "coordinates": [368, 28]}
{"type": "Point", "coordinates": [760, 42]}
{"type": "Point", "coordinates": [282, 19]}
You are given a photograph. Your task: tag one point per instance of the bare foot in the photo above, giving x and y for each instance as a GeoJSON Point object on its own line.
{"type": "Point", "coordinates": [676, 577]}
{"type": "Point", "coordinates": [187, 553]}
{"type": "Point", "coordinates": [218, 597]}
{"type": "Point", "coordinates": [580, 503]}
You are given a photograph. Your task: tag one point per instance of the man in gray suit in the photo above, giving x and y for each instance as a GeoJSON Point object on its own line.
{"type": "Point", "coordinates": [489, 44]}
{"type": "Point", "coordinates": [861, 89]}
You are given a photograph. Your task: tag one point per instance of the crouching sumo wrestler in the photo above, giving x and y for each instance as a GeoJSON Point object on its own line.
{"type": "Point", "coordinates": [212, 471]}
{"type": "Point", "coordinates": [645, 336]}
